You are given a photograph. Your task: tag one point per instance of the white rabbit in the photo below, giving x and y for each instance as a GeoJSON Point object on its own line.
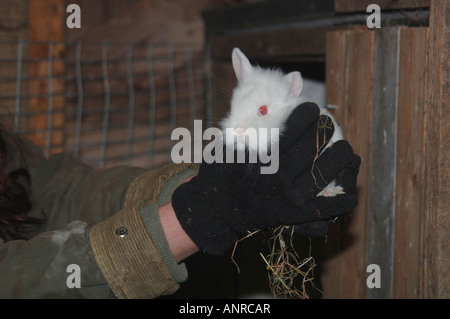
{"type": "Point", "coordinates": [264, 98]}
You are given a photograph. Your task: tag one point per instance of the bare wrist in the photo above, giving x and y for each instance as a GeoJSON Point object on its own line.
{"type": "Point", "coordinates": [180, 244]}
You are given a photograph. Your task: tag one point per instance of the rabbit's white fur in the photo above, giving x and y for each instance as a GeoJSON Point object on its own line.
{"type": "Point", "coordinates": [281, 94]}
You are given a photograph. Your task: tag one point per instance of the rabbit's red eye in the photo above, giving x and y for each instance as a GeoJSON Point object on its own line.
{"type": "Point", "coordinates": [262, 110]}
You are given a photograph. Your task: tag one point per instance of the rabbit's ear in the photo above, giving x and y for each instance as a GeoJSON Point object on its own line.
{"type": "Point", "coordinates": [295, 83]}
{"type": "Point", "coordinates": [241, 64]}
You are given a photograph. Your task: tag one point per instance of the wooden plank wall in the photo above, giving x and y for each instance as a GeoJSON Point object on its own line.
{"type": "Point", "coordinates": [349, 83]}
{"type": "Point", "coordinates": [393, 84]}
{"type": "Point", "coordinates": [435, 281]}
{"type": "Point", "coordinates": [408, 187]}
{"type": "Point", "coordinates": [383, 140]}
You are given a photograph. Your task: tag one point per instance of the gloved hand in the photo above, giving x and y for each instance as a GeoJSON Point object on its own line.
{"type": "Point", "coordinates": [336, 205]}
{"type": "Point", "coordinates": [228, 200]}
{"type": "Point", "coordinates": [291, 155]}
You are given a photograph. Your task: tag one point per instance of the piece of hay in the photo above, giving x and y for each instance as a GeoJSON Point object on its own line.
{"type": "Point", "coordinates": [289, 274]}
{"type": "Point", "coordinates": [286, 269]}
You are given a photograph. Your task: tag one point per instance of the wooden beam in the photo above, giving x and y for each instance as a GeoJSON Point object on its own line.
{"type": "Point", "coordinates": [408, 179]}
{"type": "Point", "coordinates": [176, 21]}
{"type": "Point", "coordinates": [357, 126]}
{"type": "Point", "coordinates": [355, 115]}
{"type": "Point", "coordinates": [383, 140]}
{"type": "Point", "coordinates": [336, 79]}
{"type": "Point", "coordinates": [265, 13]}
{"type": "Point", "coordinates": [361, 5]}
{"type": "Point", "coordinates": [306, 43]}
{"type": "Point", "coordinates": [436, 223]}
{"type": "Point", "coordinates": [272, 44]}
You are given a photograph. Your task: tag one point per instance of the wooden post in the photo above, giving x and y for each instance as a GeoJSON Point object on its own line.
{"type": "Point", "coordinates": [345, 269]}
{"type": "Point", "coordinates": [383, 141]}
{"type": "Point", "coordinates": [336, 86]}
{"type": "Point", "coordinates": [436, 217]}
{"type": "Point", "coordinates": [46, 24]}
{"type": "Point", "coordinates": [408, 177]}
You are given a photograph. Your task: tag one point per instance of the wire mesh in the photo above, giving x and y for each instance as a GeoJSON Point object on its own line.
{"type": "Point", "coordinates": [108, 103]}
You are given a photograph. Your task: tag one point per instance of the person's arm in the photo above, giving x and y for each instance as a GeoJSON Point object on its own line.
{"type": "Point", "coordinates": [180, 244]}
{"type": "Point", "coordinates": [133, 264]}
{"type": "Point", "coordinates": [43, 266]}
{"type": "Point", "coordinates": [66, 247]}
{"type": "Point", "coordinates": [131, 247]}
{"type": "Point", "coordinates": [94, 221]}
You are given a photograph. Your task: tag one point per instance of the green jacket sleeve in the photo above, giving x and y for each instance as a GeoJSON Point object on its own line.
{"type": "Point", "coordinates": [125, 250]}
{"type": "Point", "coordinates": [84, 208]}
{"type": "Point", "coordinates": [40, 267]}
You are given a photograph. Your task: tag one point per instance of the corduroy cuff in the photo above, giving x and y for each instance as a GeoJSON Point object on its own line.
{"type": "Point", "coordinates": [125, 251]}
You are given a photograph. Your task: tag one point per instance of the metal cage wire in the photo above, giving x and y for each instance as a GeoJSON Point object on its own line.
{"type": "Point", "coordinates": [108, 103]}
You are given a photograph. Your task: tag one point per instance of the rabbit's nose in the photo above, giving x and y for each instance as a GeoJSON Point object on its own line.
{"type": "Point", "coordinates": [239, 130]}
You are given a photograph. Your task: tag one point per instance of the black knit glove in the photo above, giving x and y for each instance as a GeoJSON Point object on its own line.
{"type": "Point", "coordinates": [335, 206]}
{"type": "Point", "coordinates": [225, 201]}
